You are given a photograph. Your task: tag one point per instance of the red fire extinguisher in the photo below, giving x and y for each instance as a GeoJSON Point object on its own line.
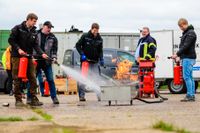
{"type": "Point", "coordinates": [23, 64]}
{"type": "Point", "coordinates": [178, 74]}
{"type": "Point", "coordinates": [85, 68]}
{"type": "Point", "coordinates": [178, 77]}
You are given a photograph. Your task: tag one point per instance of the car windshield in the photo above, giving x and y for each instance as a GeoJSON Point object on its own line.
{"type": "Point", "coordinates": [125, 56]}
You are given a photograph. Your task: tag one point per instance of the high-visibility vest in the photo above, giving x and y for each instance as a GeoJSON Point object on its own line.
{"type": "Point", "coordinates": [6, 59]}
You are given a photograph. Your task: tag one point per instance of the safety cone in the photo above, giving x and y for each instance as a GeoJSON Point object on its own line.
{"type": "Point", "coordinates": [46, 89]}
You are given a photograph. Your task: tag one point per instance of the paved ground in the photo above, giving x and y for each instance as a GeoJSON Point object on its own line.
{"type": "Point", "coordinates": [97, 117]}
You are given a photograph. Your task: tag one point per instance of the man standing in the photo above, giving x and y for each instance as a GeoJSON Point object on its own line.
{"type": "Point", "coordinates": [188, 56]}
{"type": "Point", "coordinates": [23, 39]}
{"type": "Point", "coordinates": [146, 48]}
{"type": "Point", "coordinates": [90, 48]}
{"type": "Point", "coordinates": [49, 44]}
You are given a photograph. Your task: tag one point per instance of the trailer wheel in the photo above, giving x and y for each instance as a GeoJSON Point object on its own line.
{"type": "Point", "coordinates": [109, 103]}
{"type": "Point", "coordinates": [176, 89]}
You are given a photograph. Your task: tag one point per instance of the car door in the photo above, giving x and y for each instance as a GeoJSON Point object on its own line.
{"type": "Point", "coordinates": [110, 61]}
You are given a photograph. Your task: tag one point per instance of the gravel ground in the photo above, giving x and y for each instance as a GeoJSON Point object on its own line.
{"type": "Point", "coordinates": [97, 117]}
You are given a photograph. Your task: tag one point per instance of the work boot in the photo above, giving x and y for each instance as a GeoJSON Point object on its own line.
{"type": "Point", "coordinates": [188, 99]}
{"type": "Point", "coordinates": [35, 101]}
{"type": "Point", "coordinates": [19, 103]}
{"type": "Point", "coordinates": [28, 100]}
{"type": "Point", "coordinates": [82, 99]}
{"type": "Point", "coordinates": [55, 100]}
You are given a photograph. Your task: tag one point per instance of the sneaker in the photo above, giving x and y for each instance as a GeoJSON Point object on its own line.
{"type": "Point", "coordinates": [82, 99]}
{"type": "Point", "coordinates": [188, 99]}
{"type": "Point", "coordinates": [55, 100]}
{"type": "Point", "coordinates": [35, 101]}
{"type": "Point", "coordinates": [28, 100]}
{"type": "Point", "coordinates": [19, 104]}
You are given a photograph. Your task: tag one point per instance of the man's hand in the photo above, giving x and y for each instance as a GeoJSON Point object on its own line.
{"type": "Point", "coordinates": [83, 57]}
{"type": "Point", "coordinates": [102, 62]}
{"type": "Point", "coordinates": [178, 59]}
{"type": "Point", "coordinates": [45, 56]}
{"type": "Point", "coordinates": [21, 52]}
{"type": "Point", "coordinates": [54, 60]}
{"type": "Point", "coordinates": [174, 56]}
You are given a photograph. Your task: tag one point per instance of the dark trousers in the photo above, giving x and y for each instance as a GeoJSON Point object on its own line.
{"type": "Point", "coordinates": [17, 81]}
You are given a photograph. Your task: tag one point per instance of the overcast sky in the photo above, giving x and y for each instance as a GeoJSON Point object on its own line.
{"type": "Point", "coordinates": [112, 15]}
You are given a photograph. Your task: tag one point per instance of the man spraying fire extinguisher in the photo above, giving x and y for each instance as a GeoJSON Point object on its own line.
{"type": "Point", "coordinates": [23, 39]}
{"type": "Point", "coordinates": [187, 54]}
{"type": "Point", "coordinates": [90, 48]}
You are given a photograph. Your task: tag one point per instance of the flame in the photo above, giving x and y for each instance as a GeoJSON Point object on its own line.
{"type": "Point", "coordinates": [123, 71]}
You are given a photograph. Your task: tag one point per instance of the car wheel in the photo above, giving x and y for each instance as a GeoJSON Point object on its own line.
{"type": "Point", "coordinates": [176, 89]}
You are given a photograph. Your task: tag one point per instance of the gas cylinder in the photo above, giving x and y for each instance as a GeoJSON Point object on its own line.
{"type": "Point", "coordinates": [23, 64]}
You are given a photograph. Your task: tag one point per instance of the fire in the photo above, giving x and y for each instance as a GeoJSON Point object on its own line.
{"type": "Point", "coordinates": [123, 71]}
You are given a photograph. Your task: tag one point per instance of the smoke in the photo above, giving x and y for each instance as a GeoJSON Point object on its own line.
{"type": "Point", "coordinates": [92, 82]}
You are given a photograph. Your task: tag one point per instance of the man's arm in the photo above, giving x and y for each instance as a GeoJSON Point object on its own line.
{"type": "Point", "coordinates": [37, 47]}
{"type": "Point", "coordinates": [79, 45]}
{"type": "Point", "coordinates": [152, 48]}
{"type": "Point", "coordinates": [187, 43]}
{"type": "Point", "coordinates": [13, 38]}
{"type": "Point", "coordinates": [101, 49]}
{"type": "Point", "coordinates": [55, 48]}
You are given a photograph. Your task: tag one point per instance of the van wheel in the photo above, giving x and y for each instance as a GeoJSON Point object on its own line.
{"type": "Point", "coordinates": [176, 89]}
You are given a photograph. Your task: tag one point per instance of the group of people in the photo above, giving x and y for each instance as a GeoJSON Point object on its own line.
{"type": "Point", "coordinates": [186, 54]}
{"type": "Point", "coordinates": [42, 45]}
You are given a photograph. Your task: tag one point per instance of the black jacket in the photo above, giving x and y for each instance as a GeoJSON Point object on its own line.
{"type": "Point", "coordinates": [50, 47]}
{"type": "Point", "coordinates": [187, 45]}
{"type": "Point", "coordinates": [151, 47]}
{"type": "Point", "coordinates": [51, 44]}
{"type": "Point", "coordinates": [22, 38]}
{"type": "Point", "coordinates": [91, 46]}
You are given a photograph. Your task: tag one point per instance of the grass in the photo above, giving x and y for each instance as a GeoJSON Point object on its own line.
{"type": "Point", "coordinates": [161, 125]}
{"type": "Point", "coordinates": [43, 114]}
{"type": "Point", "coordinates": [10, 119]}
{"type": "Point", "coordinates": [63, 130]}
{"type": "Point", "coordinates": [32, 119]}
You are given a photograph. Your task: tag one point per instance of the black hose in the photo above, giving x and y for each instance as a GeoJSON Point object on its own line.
{"type": "Point", "coordinates": [162, 99]}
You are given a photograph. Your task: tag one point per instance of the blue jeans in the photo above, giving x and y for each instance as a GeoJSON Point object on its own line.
{"type": "Point", "coordinates": [188, 77]}
{"type": "Point", "coordinates": [49, 75]}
